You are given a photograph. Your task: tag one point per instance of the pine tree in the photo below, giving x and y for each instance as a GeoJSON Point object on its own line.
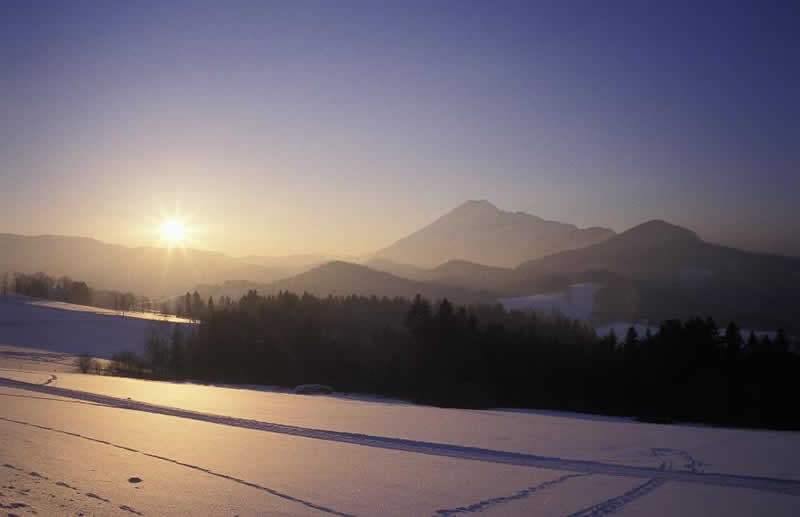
{"type": "Point", "coordinates": [752, 342]}
{"type": "Point", "coordinates": [733, 341]}
{"type": "Point", "coordinates": [631, 338]}
{"type": "Point", "coordinates": [197, 305]}
{"type": "Point", "coordinates": [187, 306]}
{"type": "Point", "coordinates": [612, 337]}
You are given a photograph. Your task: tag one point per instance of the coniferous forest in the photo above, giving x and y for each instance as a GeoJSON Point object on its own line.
{"type": "Point", "coordinates": [481, 357]}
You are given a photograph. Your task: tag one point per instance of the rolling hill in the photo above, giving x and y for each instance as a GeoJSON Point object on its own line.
{"type": "Point", "coordinates": [343, 278]}
{"type": "Point", "coordinates": [658, 270]}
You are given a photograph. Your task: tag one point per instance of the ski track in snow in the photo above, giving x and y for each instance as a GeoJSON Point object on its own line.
{"type": "Point", "coordinates": [615, 504]}
{"type": "Point", "coordinates": [68, 401]}
{"type": "Point", "coordinates": [270, 491]}
{"type": "Point", "coordinates": [522, 494]}
{"type": "Point", "coordinates": [777, 485]}
{"type": "Point", "coordinates": [606, 507]}
{"type": "Point", "coordinates": [44, 357]}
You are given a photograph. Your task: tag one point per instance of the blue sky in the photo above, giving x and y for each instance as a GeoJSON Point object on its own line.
{"type": "Point", "coordinates": [319, 126]}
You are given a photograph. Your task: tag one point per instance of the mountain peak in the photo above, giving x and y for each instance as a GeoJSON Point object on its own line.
{"type": "Point", "coordinates": [662, 230]}
{"type": "Point", "coordinates": [476, 205]}
{"type": "Point", "coordinates": [479, 232]}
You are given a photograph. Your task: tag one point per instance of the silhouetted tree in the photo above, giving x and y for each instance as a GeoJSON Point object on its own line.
{"type": "Point", "coordinates": [197, 306]}
{"type": "Point", "coordinates": [612, 337]}
{"type": "Point", "coordinates": [752, 342]}
{"type": "Point", "coordinates": [176, 354]}
{"type": "Point", "coordinates": [733, 341]}
{"type": "Point", "coordinates": [631, 338]}
{"type": "Point", "coordinates": [80, 294]}
{"type": "Point", "coordinates": [188, 310]}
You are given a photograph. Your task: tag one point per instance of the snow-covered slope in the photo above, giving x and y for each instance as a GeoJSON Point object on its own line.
{"type": "Point", "coordinates": [576, 301]}
{"type": "Point", "coordinates": [223, 451]}
{"type": "Point", "coordinates": [64, 327]}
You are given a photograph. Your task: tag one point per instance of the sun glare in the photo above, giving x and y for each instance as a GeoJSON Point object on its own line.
{"type": "Point", "coordinates": [173, 231]}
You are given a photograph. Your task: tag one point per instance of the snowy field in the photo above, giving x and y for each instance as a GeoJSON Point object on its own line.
{"type": "Point", "coordinates": [64, 327]}
{"type": "Point", "coordinates": [72, 443]}
{"type": "Point", "coordinates": [576, 301]}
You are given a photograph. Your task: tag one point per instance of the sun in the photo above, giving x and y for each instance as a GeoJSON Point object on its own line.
{"type": "Point", "coordinates": [173, 231]}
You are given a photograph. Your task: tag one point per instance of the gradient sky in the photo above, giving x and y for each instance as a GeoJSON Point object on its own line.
{"type": "Point", "coordinates": [339, 127]}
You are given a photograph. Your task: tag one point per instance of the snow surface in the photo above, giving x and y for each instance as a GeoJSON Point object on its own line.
{"type": "Point", "coordinates": [576, 301]}
{"type": "Point", "coordinates": [74, 440]}
{"type": "Point", "coordinates": [64, 327]}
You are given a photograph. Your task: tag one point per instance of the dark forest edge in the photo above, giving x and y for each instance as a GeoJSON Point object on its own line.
{"type": "Point", "coordinates": [481, 357]}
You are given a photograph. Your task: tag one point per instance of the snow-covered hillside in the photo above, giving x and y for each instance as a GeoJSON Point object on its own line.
{"type": "Point", "coordinates": [80, 443]}
{"type": "Point", "coordinates": [576, 301]}
{"type": "Point", "coordinates": [64, 327]}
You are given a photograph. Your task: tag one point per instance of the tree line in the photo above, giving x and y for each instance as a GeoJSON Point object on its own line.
{"type": "Point", "coordinates": [65, 289]}
{"type": "Point", "coordinates": [482, 356]}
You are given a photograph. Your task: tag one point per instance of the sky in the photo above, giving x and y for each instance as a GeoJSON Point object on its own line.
{"type": "Point", "coordinates": [294, 127]}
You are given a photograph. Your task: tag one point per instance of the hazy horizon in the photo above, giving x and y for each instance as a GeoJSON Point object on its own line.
{"type": "Point", "coordinates": [153, 241]}
{"type": "Point", "coordinates": [277, 129]}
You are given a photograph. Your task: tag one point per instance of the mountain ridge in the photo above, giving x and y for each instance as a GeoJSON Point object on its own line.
{"type": "Point", "coordinates": [479, 232]}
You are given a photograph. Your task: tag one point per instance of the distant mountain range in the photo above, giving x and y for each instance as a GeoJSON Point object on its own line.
{"type": "Point", "coordinates": [459, 273]}
{"type": "Point", "coordinates": [344, 278]}
{"type": "Point", "coordinates": [479, 232]}
{"type": "Point", "coordinates": [653, 271]}
{"type": "Point", "coordinates": [476, 231]}
{"type": "Point", "coordinates": [147, 271]}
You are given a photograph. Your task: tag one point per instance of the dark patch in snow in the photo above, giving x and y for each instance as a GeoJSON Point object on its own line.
{"type": "Point", "coordinates": [95, 496]}
{"type": "Point", "coordinates": [691, 465]}
{"type": "Point", "coordinates": [13, 505]}
{"type": "Point", "coordinates": [129, 509]}
{"type": "Point", "coordinates": [313, 389]}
